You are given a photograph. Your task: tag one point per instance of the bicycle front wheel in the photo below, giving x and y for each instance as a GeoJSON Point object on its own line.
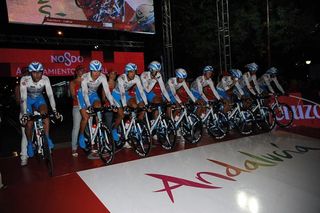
{"type": "Point", "coordinates": [245, 121]}
{"type": "Point", "coordinates": [265, 119]}
{"type": "Point", "coordinates": [192, 132]}
{"type": "Point", "coordinates": [218, 126]}
{"type": "Point", "coordinates": [141, 140]}
{"type": "Point", "coordinates": [283, 114]}
{"type": "Point", "coordinates": [47, 155]}
{"type": "Point", "coordinates": [166, 133]}
{"type": "Point", "coordinates": [106, 146]}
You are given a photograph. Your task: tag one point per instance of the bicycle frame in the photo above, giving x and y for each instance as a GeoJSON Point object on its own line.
{"type": "Point", "coordinates": [182, 115]}
{"type": "Point", "coordinates": [97, 131]}
{"type": "Point", "coordinates": [155, 124]}
{"type": "Point", "coordinates": [38, 130]}
{"type": "Point", "coordinates": [133, 124]}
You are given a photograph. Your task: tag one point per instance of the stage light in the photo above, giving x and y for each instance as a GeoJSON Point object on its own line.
{"type": "Point", "coordinates": [60, 33]}
{"type": "Point", "coordinates": [96, 47]}
{"type": "Point", "coordinates": [308, 62]}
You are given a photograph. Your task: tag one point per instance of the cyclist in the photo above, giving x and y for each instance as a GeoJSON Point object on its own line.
{"type": "Point", "coordinates": [179, 91]}
{"type": "Point", "coordinates": [128, 92]}
{"type": "Point", "coordinates": [88, 96]}
{"type": "Point", "coordinates": [153, 85]}
{"type": "Point", "coordinates": [266, 79]}
{"type": "Point", "coordinates": [247, 78]}
{"type": "Point", "coordinates": [31, 89]}
{"type": "Point", "coordinates": [203, 81]}
{"type": "Point", "coordinates": [228, 86]}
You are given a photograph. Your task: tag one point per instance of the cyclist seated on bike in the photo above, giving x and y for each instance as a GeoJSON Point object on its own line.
{"type": "Point", "coordinates": [266, 79]}
{"type": "Point", "coordinates": [88, 97]}
{"type": "Point", "coordinates": [128, 92]}
{"type": "Point", "coordinates": [31, 90]}
{"type": "Point", "coordinates": [153, 85]}
{"type": "Point", "coordinates": [247, 79]}
{"type": "Point", "coordinates": [203, 81]}
{"type": "Point", "coordinates": [228, 86]}
{"type": "Point", "coordinates": [178, 89]}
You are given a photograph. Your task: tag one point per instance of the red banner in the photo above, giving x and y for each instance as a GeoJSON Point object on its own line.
{"type": "Point", "coordinates": [304, 113]}
{"type": "Point", "coordinates": [64, 62]}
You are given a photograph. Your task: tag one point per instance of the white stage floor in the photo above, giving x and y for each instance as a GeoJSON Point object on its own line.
{"type": "Point", "coordinates": [254, 174]}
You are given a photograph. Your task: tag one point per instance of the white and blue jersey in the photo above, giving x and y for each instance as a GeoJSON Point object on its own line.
{"type": "Point", "coordinates": [265, 83]}
{"type": "Point", "coordinates": [87, 94]}
{"type": "Point", "coordinates": [121, 91]}
{"type": "Point", "coordinates": [198, 85]}
{"type": "Point", "coordinates": [32, 94]}
{"type": "Point", "coordinates": [149, 85]}
{"type": "Point", "coordinates": [226, 84]}
{"type": "Point", "coordinates": [173, 86]}
{"type": "Point", "coordinates": [245, 83]}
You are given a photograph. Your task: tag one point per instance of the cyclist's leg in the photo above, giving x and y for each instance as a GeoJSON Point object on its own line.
{"type": "Point", "coordinates": [84, 118]}
{"type": "Point", "coordinates": [76, 118]}
{"type": "Point", "coordinates": [201, 109]}
{"type": "Point", "coordinates": [156, 100]}
{"type": "Point", "coordinates": [119, 117]}
{"type": "Point", "coordinates": [23, 153]}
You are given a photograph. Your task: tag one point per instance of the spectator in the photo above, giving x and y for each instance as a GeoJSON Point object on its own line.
{"type": "Point", "coordinates": [74, 87]}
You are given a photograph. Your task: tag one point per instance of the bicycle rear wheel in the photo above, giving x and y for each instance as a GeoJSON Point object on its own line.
{"type": "Point", "coordinates": [47, 154]}
{"type": "Point", "coordinates": [141, 140]}
{"type": "Point", "coordinates": [283, 114]}
{"type": "Point", "coordinates": [106, 146]}
{"type": "Point", "coordinates": [167, 134]}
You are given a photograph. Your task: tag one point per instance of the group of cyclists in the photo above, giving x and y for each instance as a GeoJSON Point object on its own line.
{"type": "Point", "coordinates": [131, 91]}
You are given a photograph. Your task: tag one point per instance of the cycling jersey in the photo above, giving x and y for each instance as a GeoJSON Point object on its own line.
{"type": "Point", "coordinates": [198, 85]}
{"type": "Point", "coordinates": [245, 82]}
{"type": "Point", "coordinates": [124, 85]}
{"type": "Point", "coordinates": [89, 87]}
{"type": "Point", "coordinates": [227, 83]}
{"type": "Point", "coordinates": [31, 93]}
{"type": "Point", "coordinates": [265, 82]}
{"type": "Point", "coordinates": [173, 86]}
{"type": "Point", "coordinates": [150, 84]}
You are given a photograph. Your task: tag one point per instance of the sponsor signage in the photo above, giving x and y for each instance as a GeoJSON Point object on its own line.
{"type": "Point", "coordinates": [304, 113]}
{"type": "Point", "coordinates": [64, 62]}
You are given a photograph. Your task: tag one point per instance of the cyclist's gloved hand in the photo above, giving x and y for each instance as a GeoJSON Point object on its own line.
{"type": "Point", "coordinates": [24, 119]}
{"type": "Point", "coordinates": [57, 115]}
{"type": "Point", "coordinates": [90, 109]}
{"type": "Point", "coordinates": [114, 108]}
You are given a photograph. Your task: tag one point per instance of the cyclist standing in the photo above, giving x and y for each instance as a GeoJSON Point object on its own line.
{"type": "Point", "coordinates": [88, 96]}
{"type": "Point", "coordinates": [128, 92]}
{"type": "Point", "coordinates": [31, 89]}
